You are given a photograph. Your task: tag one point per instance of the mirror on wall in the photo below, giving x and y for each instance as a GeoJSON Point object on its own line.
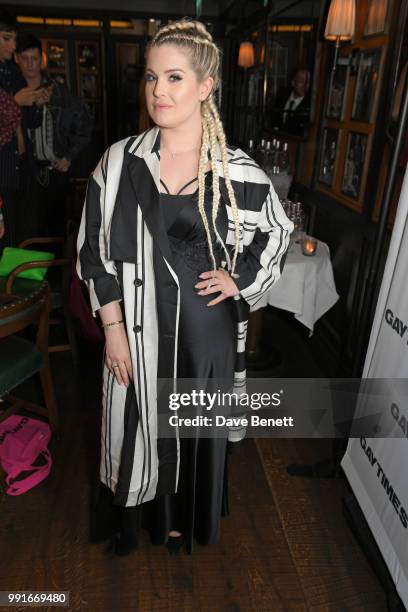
{"type": "Point", "coordinates": [292, 31]}
{"type": "Point", "coordinates": [275, 91]}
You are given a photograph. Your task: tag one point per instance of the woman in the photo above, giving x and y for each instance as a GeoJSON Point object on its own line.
{"type": "Point", "coordinates": [10, 118]}
{"type": "Point", "coordinates": [179, 236]}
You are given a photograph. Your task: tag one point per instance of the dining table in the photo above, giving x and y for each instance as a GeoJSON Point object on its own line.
{"type": "Point", "coordinates": [306, 288]}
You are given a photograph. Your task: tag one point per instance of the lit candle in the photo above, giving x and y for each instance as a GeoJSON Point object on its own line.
{"type": "Point", "coordinates": [309, 245]}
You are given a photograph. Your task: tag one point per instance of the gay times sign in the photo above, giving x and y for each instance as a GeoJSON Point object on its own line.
{"type": "Point", "coordinates": [377, 467]}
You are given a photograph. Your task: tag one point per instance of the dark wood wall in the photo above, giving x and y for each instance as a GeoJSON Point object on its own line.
{"type": "Point", "coordinates": [347, 222]}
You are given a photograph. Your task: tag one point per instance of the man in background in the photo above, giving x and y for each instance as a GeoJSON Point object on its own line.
{"type": "Point", "coordinates": [291, 109]}
{"type": "Point", "coordinates": [65, 130]}
{"type": "Point", "coordinates": [20, 109]}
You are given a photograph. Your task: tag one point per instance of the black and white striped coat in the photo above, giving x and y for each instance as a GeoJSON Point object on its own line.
{"type": "Point", "coordinates": [124, 254]}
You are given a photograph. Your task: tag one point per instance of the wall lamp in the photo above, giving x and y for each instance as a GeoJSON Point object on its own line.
{"type": "Point", "coordinates": [341, 23]}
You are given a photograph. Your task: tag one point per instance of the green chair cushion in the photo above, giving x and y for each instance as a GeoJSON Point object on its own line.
{"type": "Point", "coordinates": [14, 257]}
{"type": "Point", "coordinates": [19, 359]}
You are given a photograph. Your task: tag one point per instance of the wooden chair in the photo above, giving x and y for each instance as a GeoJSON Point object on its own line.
{"type": "Point", "coordinates": [20, 359]}
{"type": "Point", "coordinates": [59, 288]}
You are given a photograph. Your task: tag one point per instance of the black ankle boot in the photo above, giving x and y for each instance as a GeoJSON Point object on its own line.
{"type": "Point", "coordinates": [175, 544]}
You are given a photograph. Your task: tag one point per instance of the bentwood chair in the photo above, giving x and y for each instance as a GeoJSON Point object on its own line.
{"type": "Point", "coordinates": [59, 285]}
{"type": "Point", "coordinates": [20, 358]}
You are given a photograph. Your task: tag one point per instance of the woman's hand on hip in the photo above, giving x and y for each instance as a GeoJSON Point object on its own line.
{"type": "Point", "coordinates": [117, 354]}
{"type": "Point", "coordinates": [217, 281]}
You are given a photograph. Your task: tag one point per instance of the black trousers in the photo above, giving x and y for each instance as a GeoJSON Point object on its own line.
{"type": "Point", "coordinates": [43, 208]}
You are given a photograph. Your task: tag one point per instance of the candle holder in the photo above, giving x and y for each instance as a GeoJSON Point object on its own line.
{"type": "Point", "coordinates": [309, 246]}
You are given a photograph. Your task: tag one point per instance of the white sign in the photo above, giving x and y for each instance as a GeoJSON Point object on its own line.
{"type": "Point", "coordinates": [377, 468]}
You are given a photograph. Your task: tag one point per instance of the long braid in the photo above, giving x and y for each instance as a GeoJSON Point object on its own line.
{"type": "Point", "coordinates": [224, 158]}
{"type": "Point", "coordinates": [205, 60]}
{"type": "Point", "coordinates": [207, 114]}
{"type": "Point", "coordinates": [201, 190]}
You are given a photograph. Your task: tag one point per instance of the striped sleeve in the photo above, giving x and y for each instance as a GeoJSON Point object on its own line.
{"type": "Point", "coordinates": [93, 263]}
{"type": "Point", "coordinates": [261, 264]}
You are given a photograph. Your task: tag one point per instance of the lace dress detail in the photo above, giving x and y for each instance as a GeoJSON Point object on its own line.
{"type": "Point", "coordinates": [196, 255]}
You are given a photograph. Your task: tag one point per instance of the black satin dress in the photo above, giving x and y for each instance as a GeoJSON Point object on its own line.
{"type": "Point", "coordinates": [206, 350]}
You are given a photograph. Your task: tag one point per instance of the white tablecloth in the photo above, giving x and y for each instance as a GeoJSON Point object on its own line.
{"type": "Point", "coordinates": [306, 286]}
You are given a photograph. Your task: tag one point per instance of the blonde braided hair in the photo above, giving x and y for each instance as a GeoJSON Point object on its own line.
{"type": "Point", "coordinates": [204, 55]}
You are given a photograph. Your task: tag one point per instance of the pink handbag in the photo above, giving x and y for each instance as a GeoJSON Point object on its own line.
{"type": "Point", "coordinates": [23, 450]}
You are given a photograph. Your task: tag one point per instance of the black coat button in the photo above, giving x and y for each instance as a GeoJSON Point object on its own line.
{"type": "Point", "coordinates": [137, 328]}
{"type": "Point", "coordinates": [138, 282]}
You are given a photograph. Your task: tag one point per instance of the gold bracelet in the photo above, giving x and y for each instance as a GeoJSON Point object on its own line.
{"type": "Point", "coordinates": [113, 323]}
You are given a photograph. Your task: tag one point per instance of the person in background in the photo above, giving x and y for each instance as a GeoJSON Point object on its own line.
{"type": "Point", "coordinates": [65, 130]}
{"type": "Point", "coordinates": [292, 104]}
{"type": "Point", "coordinates": [20, 109]}
{"type": "Point", "coordinates": [10, 118]}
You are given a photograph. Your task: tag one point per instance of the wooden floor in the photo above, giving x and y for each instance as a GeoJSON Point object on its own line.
{"type": "Point", "coordinates": [284, 546]}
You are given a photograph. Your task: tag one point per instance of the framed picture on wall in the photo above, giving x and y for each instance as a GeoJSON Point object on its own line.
{"type": "Point", "coordinates": [56, 59]}
{"type": "Point", "coordinates": [88, 56]}
{"type": "Point", "coordinates": [366, 84]}
{"type": "Point", "coordinates": [328, 156]}
{"type": "Point", "coordinates": [56, 55]}
{"type": "Point", "coordinates": [337, 92]}
{"type": "Point", "coordinates": [376, 17]}
{"type": "Point", "coordinates": [354, 164]}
